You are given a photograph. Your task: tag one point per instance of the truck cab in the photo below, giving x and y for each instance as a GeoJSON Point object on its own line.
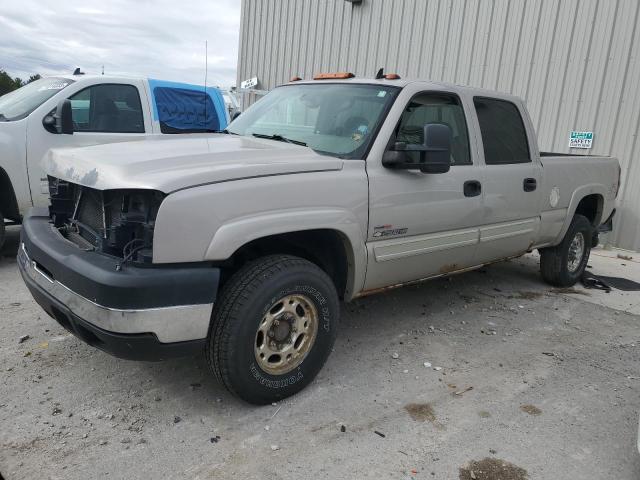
{"type": "Point", "coordinates": [104, 109]}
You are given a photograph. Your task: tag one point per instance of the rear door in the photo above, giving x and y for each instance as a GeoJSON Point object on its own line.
{"type": "Point", "coordinates": [510, 217]}
{"type": "Point", "coordinates": [421, 224]}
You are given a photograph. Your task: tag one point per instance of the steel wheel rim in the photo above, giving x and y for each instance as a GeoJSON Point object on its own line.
{"type": "Point", "coordinates": [286, 334]}
{"type": "Point", "coordinates": [576, 251]}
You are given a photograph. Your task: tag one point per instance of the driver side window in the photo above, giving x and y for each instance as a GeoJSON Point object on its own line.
{"type": "Point", "coordinates": [107, 108]}
{"type": "Point", "coordinates": [435, 108]}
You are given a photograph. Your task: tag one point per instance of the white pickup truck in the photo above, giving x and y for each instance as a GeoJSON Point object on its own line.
{"type": "Point", "coordinates": [99, 109]}
{"type": "Point", "coordinates": [241, 244]}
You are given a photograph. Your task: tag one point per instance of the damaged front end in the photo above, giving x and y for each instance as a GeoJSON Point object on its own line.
{"type": "Point", "coordinates": [118, 223]}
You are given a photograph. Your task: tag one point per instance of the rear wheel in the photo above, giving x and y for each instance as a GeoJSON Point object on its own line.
{"type": "Point", "coordinates": [564, 264]}
{"type": "Point", "coordinates": [273, 328]}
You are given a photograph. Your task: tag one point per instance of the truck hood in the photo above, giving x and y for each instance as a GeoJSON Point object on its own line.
{"type": "Point", "coordinates": [167, 163]}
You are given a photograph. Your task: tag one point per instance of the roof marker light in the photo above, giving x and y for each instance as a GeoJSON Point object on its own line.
{"type": "Point", "coordinates": [333, 76]}
{"type": "Point", "coordinates": [392, 76]}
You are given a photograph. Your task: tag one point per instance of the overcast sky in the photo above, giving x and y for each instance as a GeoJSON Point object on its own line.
{"type": "Point", "coordinates": [159, 39]}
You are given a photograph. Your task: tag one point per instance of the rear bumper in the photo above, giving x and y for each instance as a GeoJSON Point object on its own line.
{"type": "Point", "coordinates": [148, 313]}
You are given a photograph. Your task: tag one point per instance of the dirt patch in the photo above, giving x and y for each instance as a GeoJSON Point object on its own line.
{"type": "Point", "coordinates": [423, 412]}
{"type": "Point", "coordinates": [529, 295]}
{"type": "Point", "coordinates": [570, 290]}
{"type": "Point", "coordinates": [484, 414]}
{"type": "Point", "coordinates": [531, 409]}
{"type": "Point", "coordinates": [492, 469]}
{"type": "Point", "coordinates": [449, 268]}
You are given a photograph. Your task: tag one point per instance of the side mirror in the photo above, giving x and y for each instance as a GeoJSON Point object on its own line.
{"type": "Point", "coordinates": [435, 152]}
{"type": "Point", "coordinates": [63, 117]}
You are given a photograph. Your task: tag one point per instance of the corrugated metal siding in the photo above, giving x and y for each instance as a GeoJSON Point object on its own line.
{"type": "Point", "coordinates": [575, 62]}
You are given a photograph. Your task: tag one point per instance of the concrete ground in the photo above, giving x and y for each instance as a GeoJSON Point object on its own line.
{"type": "Point", "coordinates": [542, 383]}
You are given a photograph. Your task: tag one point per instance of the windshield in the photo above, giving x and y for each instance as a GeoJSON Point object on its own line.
{"type": "Point", "coordinates": [21, 102]}
{"type": "Point", "coordinates": [335, 118]}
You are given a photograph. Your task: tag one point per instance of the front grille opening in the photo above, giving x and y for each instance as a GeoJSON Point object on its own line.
{"type": "Point", "coordinates": [91, 211]}
{"type": "Point", "coordinates": [119, 223]}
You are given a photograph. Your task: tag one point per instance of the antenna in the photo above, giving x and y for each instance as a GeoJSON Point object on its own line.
{"type": "Point", "coordinates": [206, 71]}
{"type": "Point", "coordinates": [380, 74]}
{"type": "Point", "coordinates": [102, 69]}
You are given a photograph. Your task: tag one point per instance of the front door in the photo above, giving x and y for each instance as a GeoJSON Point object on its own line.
{"type": "Point", "coordinates": [421, 224]}
{"type": "Point", "coordinates": [102, 113]}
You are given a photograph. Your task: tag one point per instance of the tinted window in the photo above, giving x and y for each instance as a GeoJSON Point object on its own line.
{"type": "Point", "coordinates": [435, 108]}
{"type": "Point", "coordinates": [503, 134]}
{"type": "Point", "coordinates": [110, 108]}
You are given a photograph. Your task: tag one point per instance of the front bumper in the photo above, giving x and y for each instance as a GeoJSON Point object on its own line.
{"type": "Point", "coordinates": [142, 313]}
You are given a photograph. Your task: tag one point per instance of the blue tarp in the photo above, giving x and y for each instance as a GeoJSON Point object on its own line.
{"type": "Point", "coordinates": [185, 107]}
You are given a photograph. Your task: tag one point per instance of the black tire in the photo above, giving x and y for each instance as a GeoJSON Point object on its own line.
{"type": "Point", "coordinates": [244, 302]}
{"type": "Point", "coordinates": [554, 261]}
{"type": "Point", "coordinates": [2, 232]}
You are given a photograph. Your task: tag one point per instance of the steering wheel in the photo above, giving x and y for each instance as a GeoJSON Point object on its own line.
{"type": "Point", "coordinates": [356, 125]}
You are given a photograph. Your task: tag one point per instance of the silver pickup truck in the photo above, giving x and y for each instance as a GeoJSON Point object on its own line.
{"type": "Point", "coordinates": [241, 244]}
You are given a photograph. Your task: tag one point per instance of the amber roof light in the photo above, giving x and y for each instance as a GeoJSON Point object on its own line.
{"type": "Point", "coordinates": [295, 79]}
{"type": "Point", "coordinates": [333, 76]}
{"type": "Point", "coordinates": [392, 76]}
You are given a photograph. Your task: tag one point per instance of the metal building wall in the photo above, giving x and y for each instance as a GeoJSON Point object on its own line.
{"type": "Point", "coordinates": [575, 62]}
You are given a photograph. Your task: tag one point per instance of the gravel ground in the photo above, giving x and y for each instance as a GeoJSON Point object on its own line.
{"type": "Point", "coordinates": [523, 382]}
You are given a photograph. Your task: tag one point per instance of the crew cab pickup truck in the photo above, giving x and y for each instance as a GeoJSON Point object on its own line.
{"type": "Point", "coordinates": [241, 244]}
{"type": "Point", "coordinates": [98, 109]}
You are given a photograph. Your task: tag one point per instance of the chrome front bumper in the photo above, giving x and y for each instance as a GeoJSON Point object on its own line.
{"type": "Point", "coordinates": [169, 324]}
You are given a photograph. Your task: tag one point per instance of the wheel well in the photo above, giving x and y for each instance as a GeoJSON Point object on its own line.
{"type": "Point", "coordinates": [591, 207]}
{"type": "Point", "coordinates": [326, 248]}
{"type": "Point", "coordinates": [8, 203]}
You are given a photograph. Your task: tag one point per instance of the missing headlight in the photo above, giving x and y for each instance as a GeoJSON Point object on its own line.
{"type": "Point", "coordinates": [115, 222]}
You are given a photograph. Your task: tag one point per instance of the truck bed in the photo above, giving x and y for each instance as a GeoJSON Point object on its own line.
{"type": "Point", "coordinates": [558, 154]}
{"type": "Point", "coordinates": [569, 177]}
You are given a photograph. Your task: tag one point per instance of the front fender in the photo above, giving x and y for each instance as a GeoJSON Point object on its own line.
{"type": "Point", "coordinates": [210, 222]}
{"type": "Point", "coordinates": [236, 233]}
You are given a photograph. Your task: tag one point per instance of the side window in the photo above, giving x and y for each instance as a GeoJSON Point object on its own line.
{"type": "Point", "coordinates": [436, 108]}
{"type": "Point", "coordinates": [109, 108]}
{"type": "Point", "coordinates": [503, 134]}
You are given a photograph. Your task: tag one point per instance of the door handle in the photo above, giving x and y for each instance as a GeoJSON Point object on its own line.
{"type": "Point", "coordinates": [529, 184]}
{"type": "Point", "coordinates": [472, 188]}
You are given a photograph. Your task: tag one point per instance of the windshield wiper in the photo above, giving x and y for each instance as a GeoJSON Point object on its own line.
{"type": "Point", "coordinates": [279, 138]}
{"type": "Point", "coordinates": [227, 132]}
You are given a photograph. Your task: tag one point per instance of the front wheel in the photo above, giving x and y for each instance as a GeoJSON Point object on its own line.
{"type": "Point", "coordinates": [273, 328]}
{"type": "Point", "coordinates": [564, 264]}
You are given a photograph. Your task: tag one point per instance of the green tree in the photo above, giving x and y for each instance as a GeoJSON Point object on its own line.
{"type": "Point", "coordinates": [8, 84]}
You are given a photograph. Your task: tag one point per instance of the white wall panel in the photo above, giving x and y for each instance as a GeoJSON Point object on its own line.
{"type": "Point", "coordinates": [576, 62]}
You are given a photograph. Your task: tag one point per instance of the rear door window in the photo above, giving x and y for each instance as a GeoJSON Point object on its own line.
{"type": "Point", "coordinates": [504, 136]}
{"type": "Point", "coordinates": [107, 108]}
